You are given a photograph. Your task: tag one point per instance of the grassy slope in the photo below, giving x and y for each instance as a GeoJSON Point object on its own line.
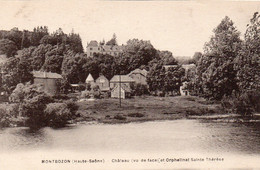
{"type": "Point", "coordinates": [145, 108]}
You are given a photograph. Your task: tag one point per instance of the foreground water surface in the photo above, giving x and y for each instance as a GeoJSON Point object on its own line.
{"type": "Point", "coordinates": [184, 136]}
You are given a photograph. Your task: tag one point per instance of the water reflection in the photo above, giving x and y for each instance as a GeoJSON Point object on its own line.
{"type": "Point", "coordinates": [163, 136]}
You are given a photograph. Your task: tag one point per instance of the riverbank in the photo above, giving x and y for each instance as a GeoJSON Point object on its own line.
{"type": "Point", "coordinates": [146, 108]}
{"type": "Point", "coordinates": [140, 109]}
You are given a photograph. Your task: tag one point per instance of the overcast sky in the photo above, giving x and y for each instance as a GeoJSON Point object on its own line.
{"type": "Point", "coordinates": [181, 27]}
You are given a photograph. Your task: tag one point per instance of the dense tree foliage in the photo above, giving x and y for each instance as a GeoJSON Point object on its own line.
{"type": "Point", "coordinates": [40, 108]}
{"type": "Point", "coordinates": [248, 60]}
{"type": "Point", "coordinates": [14, 71]}
{"type": "Point", "coordinates": [113, 40]}
{"type": "Point", "coordinates": [137, 53]}
{"type": "Point", "coordinates": [7, 47]}
{"type": "Point", "coordinates": [167, 80]}
{"type": "Point", "coordinates": [215, 71]}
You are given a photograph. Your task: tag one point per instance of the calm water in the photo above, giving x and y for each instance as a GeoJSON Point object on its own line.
{"type": "Point", "coordinates": [162, 136]}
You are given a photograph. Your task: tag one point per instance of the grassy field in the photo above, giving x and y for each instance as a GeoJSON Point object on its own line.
{"type": "Point", "coordinates": [145, 109]}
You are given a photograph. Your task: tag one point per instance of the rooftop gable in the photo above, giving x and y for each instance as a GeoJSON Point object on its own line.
{"type": "Point", "coordinates": [89, 78]}
{"type": "Point", "coordinates": [139, 71]}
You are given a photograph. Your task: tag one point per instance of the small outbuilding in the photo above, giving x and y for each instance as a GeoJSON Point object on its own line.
{"type": "Point", "coordinates": [122, 79]}
{"type": "Point", "coordinates": [90, 80]}
{"type": "Point", "coordinates": [139, 76]}
{"type": "Point", "coordinates": [48, 80]}
{"type": "Point", "coordinates": [103, 83]}
{"type": "Point", "coordinates": [121, 91]}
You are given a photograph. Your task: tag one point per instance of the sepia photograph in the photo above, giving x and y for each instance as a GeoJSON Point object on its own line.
{"type": "Point", "coordinates": [129, 84]}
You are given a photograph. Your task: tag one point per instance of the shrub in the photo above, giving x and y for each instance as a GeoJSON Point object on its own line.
{"type": "Point", "coordinates": [139, 89]}
{"type": "Point", "coordinates": [93, 92]}
{"type": "Point", "coordinates": [32, 101]}
{"type": "Point", "coordinates": [244, 104]}
{"type": "Point", "coordinates": [82, 87]}
{"type": "Point", "coordinates": [119, 117]}
{"type": "Point", "coordinates": [58, 114]}
{"type": "Point", "coordinates": [60, 97]}
{"type": "Point", "coordinates": [13, 109]}
{"type": "Point", "coordinates": [135, 115]}
{"type": "Point", "coordinates": [105, 95]}
{"type": "Point", "coordinates": [34, 109]}
{"type": "Point", "coordinates": [4, 118]}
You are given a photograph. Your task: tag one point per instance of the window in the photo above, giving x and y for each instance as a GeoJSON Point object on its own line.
{"type": "Point", "coordinates": [91, 48]}
{"type": "Point", "coordinates": [90, 53]}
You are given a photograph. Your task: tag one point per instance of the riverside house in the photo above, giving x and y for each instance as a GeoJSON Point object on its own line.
{"type": "Point", "coordinates": [90, 80]}
{"type": "Point", "coordinates": [48, 80]}
{"type": "Point", "coordinates": [122, 81]}
{"type": "Point", "coordinates": [125, 91]}
{"type": "Point", "coordinates": [139, 76]}
{"type": "Point", "coordinates": [103, 83]}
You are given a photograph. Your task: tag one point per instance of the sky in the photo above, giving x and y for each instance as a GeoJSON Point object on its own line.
{"type": "Point", "coordinates": [181, 27]}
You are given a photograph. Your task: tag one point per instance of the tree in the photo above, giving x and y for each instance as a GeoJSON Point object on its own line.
{"type": "Point", "coordinates": [75, 43]}
{"type": "Point", "coordinates": [138, 53]}
{"type": "Point", "coordinates": [16, 36]}
{"type": "Point", "coordinates": [53, 64]}
{"type": "Point", "coordinates": [216, 68]}
{"type": "Point", "coordinates": [113, 41]}
{"type": "Point", "coordinates": [72, 67]}
{"type": "Point", "coordinates": [155, 77]}
{"type": "Point", "coordinates": [196, 57]}
{"type": "Point", "coordinates": [15, 71]}
{"type": "Point", "coordinates": [248, 60]}
{"type": "Point", "coordinates": [167, 58]}
{"type": "Point", "coordinates": [7, 47]}
{"type": "Point", "coordinates": [173, 79]}
{"type": "Point", "coordinates": [37, 34]}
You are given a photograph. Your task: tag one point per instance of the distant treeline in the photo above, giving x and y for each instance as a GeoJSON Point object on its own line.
{"type": "Point", "coordinates": [40, 35]}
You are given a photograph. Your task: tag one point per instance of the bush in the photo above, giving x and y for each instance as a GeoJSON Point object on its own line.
{"type": "Point", "coordinates": [94, 92]}
{"type": "Point", "coordinates": [13, 110]}
{"type": "Point", "coordinates": [58, 114]}
{"type": "Point", "coordinates": [139, 89]}
{"type": "Point", "coordinates": [32, 101]}
{"type": "Point", "coordinates": [135, 115]}
{"type": "Point", "coordinates": [244, 104]}
{"type": "Point", "coordinates": [85, 94]}
{"type": "Point", "coordinates": [119, 117]}
{"type": "Point", "coordinates": [34, 109]}
{"type": "Point", "coordinates": [82, 87]}
{"type": "Point", "coordinates": [60, 97]}
{"type": "Point", "coordinates": [4, 118]}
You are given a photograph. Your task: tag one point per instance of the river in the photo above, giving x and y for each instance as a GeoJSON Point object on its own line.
{"type": "Point", "coordinates": [181, 137]}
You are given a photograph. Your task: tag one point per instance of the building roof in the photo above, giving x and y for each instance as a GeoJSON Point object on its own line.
{"type": "Point", "coordinates": [139, 71]}
{"type": "Point", "coordinates": [89, 78]}
{"type": "Point", "coordinates": [188, 66]}
{"type": "Point", "coordinates": [50, 75]}
{"type": "Point", "coordinates": [124, 78]}
{"type": "Point", "coordinates": [93, 43]}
